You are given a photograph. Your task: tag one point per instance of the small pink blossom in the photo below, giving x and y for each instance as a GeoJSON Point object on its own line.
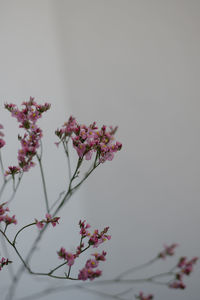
{"type": "Point", "coordinates": [91, 263]}
{"type": "Point", "coordinates": [168, 251]}
{"type": "Point", "coordinates": [53, 221]}
{"type": "Point", "coordinates": [87, 273]}
{"type": "Point", "coordinates": [4, 262]}
{"type": "Point", "coordinates": [68, 256]}
{"type": "Point", "coordinates": [12, 171]}
{"type": "Point", "coordinates": [49, 219]}
{"type": "Point", "coordinates": [39, 224]}
{"type": "Point", "coordinates": [98, 238]}
{"type": "Point", "coordinates": [142, 297]}
{"type": "Point", "coordinates": [5, 217]}
{"type": "Point", "coordinates": [177, 284]}
{"type": "Point", "coordinates": [99, 256]}
{"type": "Point", "coordinates": [84, 232]}
{"type": "Point", "coordinates": [186, 266]}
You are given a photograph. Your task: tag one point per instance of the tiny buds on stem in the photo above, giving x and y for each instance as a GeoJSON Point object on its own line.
{"type": "Point", "coordinates": [49, 219]}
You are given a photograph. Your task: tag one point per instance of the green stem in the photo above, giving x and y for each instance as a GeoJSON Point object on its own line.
{"type": "Point", "coordinates": [16, 188]}
{"type": "Point", "coordinates": [134, 269]}
{"type": "Point", "coordinates": [2, 167]}
{"type": "Point", "coordinates": [14, 240]}
{"type": "Point", "coordinates": [43, 182]}
{"type": "Point", "coordinates": [65, 145]}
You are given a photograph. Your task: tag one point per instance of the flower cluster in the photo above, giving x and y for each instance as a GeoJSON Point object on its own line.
{"type": "Point", "coordinates": [97, 237]}
{"type": "Point", "coordinates": [2, 142]}
{"type": "Point", "coordinates": [27, 117]}
{"type": "Point", "coordinates": [185, 268]}
{"type": "Point", "coordinates": [168, 251]}
{"type": "Point", "coordinates": [90, 270]}
{"type": "Point", "coordinates": [68, 256]}
{"type": "Point", "coordinates": [84, 232]}
{"type": "Point", "coordinates": [89, 139]}
{"type": "Point", "coordinates": [142, 297]}
{"type": "Point", "coordinates": [4, 262]}
{"type": "Point", "coordinates": [4, 217]}
{"type": "Point", "coordinates": [49, 219]}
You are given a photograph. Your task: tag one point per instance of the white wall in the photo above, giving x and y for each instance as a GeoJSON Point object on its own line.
{"type": "Point", "coordinates": [129, 63]}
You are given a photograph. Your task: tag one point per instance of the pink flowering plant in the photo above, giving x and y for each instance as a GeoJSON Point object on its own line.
{"type": "Point", "coordinates": [91, 143]}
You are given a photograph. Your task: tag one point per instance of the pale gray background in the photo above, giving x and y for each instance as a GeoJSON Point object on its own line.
{"type": "Point", "coordinates": [129, 63]}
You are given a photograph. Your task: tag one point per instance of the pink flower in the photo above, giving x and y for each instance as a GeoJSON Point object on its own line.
{"type": "Point", "coordinates": [168, 251]}
{"type": "Point", "coordinates": [68, 256]}
{"type": "Point", "coordinates": [187, 266]}
{"type": "Point", "coordinates": [49, 219]}
{"type": "Point", "coordinates": [39, 224]}
{"type": "Point", "coordinates": [53, 221]}
{"type": "Point", "coordinates": [90, 139]}
{"type": "Point", "coordinates": [91, 263]}
{"type": "Point", "coordinates": [99, 256]}
{"type": "Point", "coordinates": [98, 238]}
{"type": "Point", "coordinates": [5, 217]}
{"type": "Point", "coordinates": [4, 262]}
{"type": "Point", "coordinates": [87, 273]}
{"type": "Point", "coordinates": [2, 209]}
{"type": "Point", "coordinates": [178, 284]}
{"type": "Point", "coordinates": [30, 142]}
{"type": "Point", "coordinates": [2, 143]}
{"type": "Point", "coordinates": [84, 232]}
{"type": "Point", "coordinates": [142, 297]}
{"type": "Point", "coordinates": [12, 171]}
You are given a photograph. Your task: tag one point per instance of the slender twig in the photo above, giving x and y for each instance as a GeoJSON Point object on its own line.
{"type": "Point", "coordinates": [43, 182]}
{"type": "Point", "coordinates": [59, 197]}
{"type": "Point", "coordinates": [65, 146]}
{"type": "Point", "coordinates": [134, 269]}
{"type": "Point", "coordinates": [26, 226]}
{"type": "Point", "coordinates": [16, 187]}
{"type": "Point", "coordinates": [96, 292]}
{"type": "Point", "coordinates": [13, 178]}
{"type": "Point", "coordinates": [85, 177]}
{"type": "Point", "coordinates": [3, 187]}
{"type": "Point", "coordinates": [2, 167]}
{"type": "Point", "coordinates": [4, 245]}
{"type": "Point", "coordinates": [52, 271]}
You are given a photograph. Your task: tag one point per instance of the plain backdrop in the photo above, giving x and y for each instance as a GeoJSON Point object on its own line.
{"type": "Point", "coordinates": [131, 63]}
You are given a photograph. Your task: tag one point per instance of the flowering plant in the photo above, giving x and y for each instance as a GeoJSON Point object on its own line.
{"type": "Point", "coordinates": [93, 144]}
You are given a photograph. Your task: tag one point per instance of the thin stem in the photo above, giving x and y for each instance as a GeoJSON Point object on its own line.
{"type": "Point", "coordinates": [85, 177]}
{"type": "Point", "coordinates": [134, 269]}
{"type": "Point", "coordinates": [52, 271]}
{"type": "Point", "coordinates": [69, 191]}
{"type": "Point", "coordinates": [13, 178]}
{"type": "Point", "coordinates": [14, 240]}
{"type": "Point", "coordinates": [43, 182]}
{"type": "Point", "coordinates": [16, 188]}
{"type": "Point", "coordinates": [2, 167]}
{"type": "Point", "coordinates": [65, 145]}
{"type": "Point", "coordinates": [59, 197]}
{"type": "Point", "coordinates": [69, 271]}
{"type": "Point", "coordinates": [10, 267]}
{"type": "Point", "coordinates": [3, 187]}
{"type": "Point", "coordinates": [23, 261]}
